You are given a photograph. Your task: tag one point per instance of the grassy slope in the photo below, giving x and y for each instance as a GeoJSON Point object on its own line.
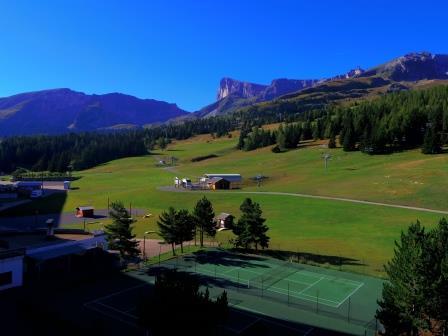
{"type": "Point", "coordinates": [362, 232]}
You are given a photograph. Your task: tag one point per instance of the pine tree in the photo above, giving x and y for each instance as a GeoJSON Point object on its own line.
{"type": "Point", "coordinates": [402, 308]}
{"type": "Point", "coordinates": [168, 228]}
{"type": "Point", "coordinates": [204, 219]}
{"type": "Point", "coordinates": [119, 232]}
{"type": "Point", "coordinates": [185, 227]}
{"type": "Point", "coordinates": [332, 142]}
{"type": "Point", "coordinates": [431, 143]}
{"type": "Point", "coordinates": [349, 140]}
{"type": "Point", "coordinates": [250, 228]}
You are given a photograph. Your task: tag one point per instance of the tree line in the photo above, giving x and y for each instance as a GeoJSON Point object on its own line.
{"type": "Point", "coordinates": [392, 122]}
{"type": "Point", "coordinates": [179, 226]}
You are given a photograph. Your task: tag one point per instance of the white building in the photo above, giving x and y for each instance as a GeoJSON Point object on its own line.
{"type": "Point", "coordinates": [11, 268]}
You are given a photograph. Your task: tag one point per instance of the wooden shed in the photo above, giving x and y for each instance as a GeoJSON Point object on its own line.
{"type": "Point", "coordinates": [85, 211]}
{"type": "Point", "coordinates": [235, 180]}
{"type": "Point", "coordinates": [218, 183]}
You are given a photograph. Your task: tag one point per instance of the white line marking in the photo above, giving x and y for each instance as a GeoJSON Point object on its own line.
{"type": "Point", "coordinates": [117, 310]}
{"type": "Point", "coordinates": [116, 293]}
{"type": "Point", "coordinates": [311, 285]}
{"type": "Point", "coordinates": [111, 316]}
{"type": "Point", "coordinates": [269, 321]}
{"type": "Point", "coordinates": [350, 294]}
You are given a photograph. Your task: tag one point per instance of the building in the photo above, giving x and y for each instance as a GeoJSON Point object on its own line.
{"type": "Point", "coordinates": [30, 256]}
{"type": "Point", "coordinates": [235, 180]}
{"type": "Point", "coordinates": [11, 268]}
{"type": "Point", "coordinates": [85, 211]}
{"type": "Point", "coordinates": [224, 221]}
{"type": "Point", "coordinates": [217, 183]}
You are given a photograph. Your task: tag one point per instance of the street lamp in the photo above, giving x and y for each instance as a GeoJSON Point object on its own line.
{"type": "Point", "coordinates": [144, 242]}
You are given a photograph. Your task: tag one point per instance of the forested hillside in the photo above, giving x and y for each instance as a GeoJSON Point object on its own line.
{"type": "Point", "coordinates": [392, 122]}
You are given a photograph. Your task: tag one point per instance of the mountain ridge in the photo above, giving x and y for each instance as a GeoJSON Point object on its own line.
{"type": "Point", "coordinates": [55, 111]}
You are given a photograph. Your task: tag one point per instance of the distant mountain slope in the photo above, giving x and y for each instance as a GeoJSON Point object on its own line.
{"type": "Point", "coordinates": [412, 67]}
{"type": "Point", "coordinates": [401, 73]}
{"type": "Point", "coordinates": [62, 110]}
{"type": "Point", "coordinates": [412, 71]}
{"type": "Point", "coordinates": [234, 94]}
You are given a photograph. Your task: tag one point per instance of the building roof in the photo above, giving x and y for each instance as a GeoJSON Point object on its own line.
{"type": "Point", "coordinates": [82, 208]}
{"type": "Point", "coordinates": [214, 180]}
{"type": "Point", "coordinates": [39, 239]}
{"type": "Point", "coordinates": [228, 177]}
{"type": "Point", "coordinates": [58, 252]}
{"type": "Point", "coordinates": [223, 216]}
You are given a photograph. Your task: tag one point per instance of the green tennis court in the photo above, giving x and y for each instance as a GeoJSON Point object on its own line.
{"type": "Point", "coordinates": [324, 296]}
{"type": "Point", "coordinates": [288, 280]}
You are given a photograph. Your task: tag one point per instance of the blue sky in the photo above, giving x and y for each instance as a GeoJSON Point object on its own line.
{"type": "Point", "coordinates": [178, 51]}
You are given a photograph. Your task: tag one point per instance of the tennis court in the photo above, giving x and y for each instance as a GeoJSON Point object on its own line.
{"type": "Point", "coordinates": [285, 279]}
{"type": "Point", "coordinates": [264, 291]}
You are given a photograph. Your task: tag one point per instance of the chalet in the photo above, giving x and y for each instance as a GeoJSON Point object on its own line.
{"type": "Point", "coordinates": [216, 183]}
{"type": "Point", "coordinates": [224, 221]}
{"type": "Point", "coordinates": [235, 180]}
{"type": "Point", "coordinates": [85, 211]}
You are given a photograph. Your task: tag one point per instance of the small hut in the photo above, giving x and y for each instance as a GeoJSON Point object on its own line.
{"type": "Point", "coordinates": [224, 221]}
{"type": "Point", "coordinates": [85, 211]}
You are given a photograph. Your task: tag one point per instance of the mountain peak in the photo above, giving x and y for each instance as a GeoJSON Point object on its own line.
{"type": "Point", "coordinates": [413, 67]}
{"type": "Point", "coordinates": [229, 86]}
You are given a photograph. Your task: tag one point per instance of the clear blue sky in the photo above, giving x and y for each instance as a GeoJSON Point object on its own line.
{"type": "Point", "coordinates": [178, 51]}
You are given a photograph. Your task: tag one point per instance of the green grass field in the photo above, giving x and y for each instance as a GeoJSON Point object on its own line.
{"type": "Point", "coordinates": [360, 235]}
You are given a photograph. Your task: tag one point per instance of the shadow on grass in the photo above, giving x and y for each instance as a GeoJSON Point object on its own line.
{"type": "Point", "coordinates": [312, 258]}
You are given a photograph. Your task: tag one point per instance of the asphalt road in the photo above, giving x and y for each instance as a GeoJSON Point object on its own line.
{"type": "Point", "coordinates": [25, 223]}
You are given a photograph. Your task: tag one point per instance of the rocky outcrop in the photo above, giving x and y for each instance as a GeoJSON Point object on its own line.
{"type": "Point", "coordinates": [229, 86]}
{"type": "Point", "coordinates": [413, 67]}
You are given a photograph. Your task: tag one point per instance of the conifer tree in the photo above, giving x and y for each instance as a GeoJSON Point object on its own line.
{"type": "Point", "coordinates": [402, 308]}
{"type": "Point", "coordinates": [204, 219]}
{"type": "Point", "coordinates": [250, 228]}
{"type": "Point", "coordinates": [119, 232]}
{"type": "Point", "coordinates": [168, 228]}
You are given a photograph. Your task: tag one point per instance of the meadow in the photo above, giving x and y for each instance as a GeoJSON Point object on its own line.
{"type": "Point", "coordinates": [361, 236]}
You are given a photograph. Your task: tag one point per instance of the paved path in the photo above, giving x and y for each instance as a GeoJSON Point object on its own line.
{"type": "Point", "coordinates": [25, 223]}
{"type": "Point", "coordinates": [172, 189]}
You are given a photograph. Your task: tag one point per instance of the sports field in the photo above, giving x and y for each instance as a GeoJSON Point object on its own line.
{"type": "Point", "coordinates": [308, 297]}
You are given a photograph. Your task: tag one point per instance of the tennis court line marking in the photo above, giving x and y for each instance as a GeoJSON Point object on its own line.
{"type": "Point", "coordinates": [116, 293]}
{"type": "Point", "coordinates": [117, 310]}
{"type": "Point", "coordinates": [295, 294]}
{"type": "Point", "coordinates": [350, 294]}
{"type": "Point", "coordinates": [311, 285]}
{"type": "Point", "coordinates": [111, 316]}
{"type": "Point", "coordinates": [269, 321]}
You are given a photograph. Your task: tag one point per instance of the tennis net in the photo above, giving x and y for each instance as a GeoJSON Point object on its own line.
{"type": "Point", "coordinates": [273, 276]}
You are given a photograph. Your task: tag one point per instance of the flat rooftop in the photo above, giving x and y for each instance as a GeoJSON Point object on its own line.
{"type": "Point", "coordinates": [34, 240]}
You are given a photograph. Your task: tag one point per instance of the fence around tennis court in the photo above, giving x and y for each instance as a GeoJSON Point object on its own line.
{"type": "Point", "coordinates": [273, 284]}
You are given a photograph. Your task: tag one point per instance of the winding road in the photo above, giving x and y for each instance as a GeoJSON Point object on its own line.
{"type": "Point", "coordinates": [172, 189]}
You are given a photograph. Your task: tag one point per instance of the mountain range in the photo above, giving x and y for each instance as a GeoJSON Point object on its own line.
{"type": "Point", "coordinates": [63, 110]}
